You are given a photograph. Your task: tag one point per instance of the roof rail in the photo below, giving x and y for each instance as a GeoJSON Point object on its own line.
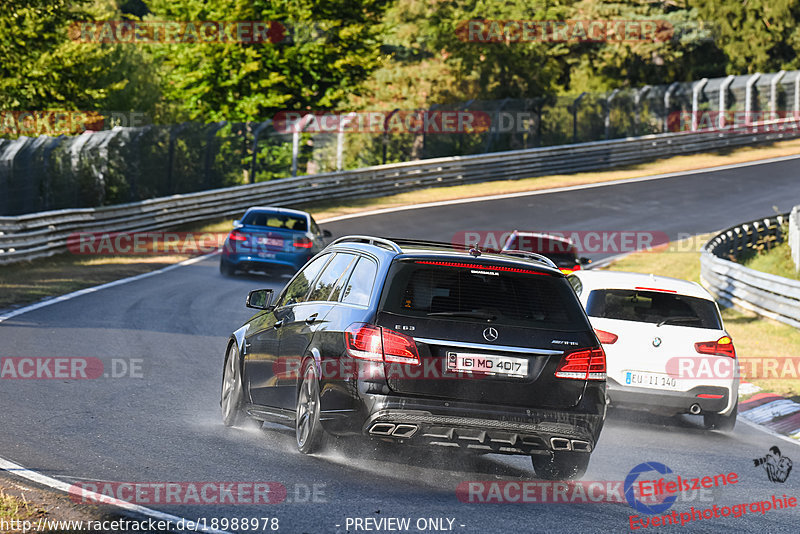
{"type": "Point", "coordinates": [409, 241]}
{"type": "Point", "coordinates": [531, 256]}
{"type": "Point", "coordinates": [370, 240]}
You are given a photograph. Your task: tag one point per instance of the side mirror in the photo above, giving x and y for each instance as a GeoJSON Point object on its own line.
{"type": "Point", "coordinates": [326, 233]}
{"type": "Point", "coordinates": [259, 299]}
{"type": "Point", "coordinates": [584, 261]}
{"type": "Point", "coordinates": [237, 223]}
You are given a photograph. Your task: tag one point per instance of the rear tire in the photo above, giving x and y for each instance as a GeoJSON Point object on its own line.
{"type": "Point", "coordinates": [308, 429]}
{"type": "Point", "coordinates": [225, 268]}
{"type": "Point", "coordinates": [232, 395]}
{"type": "Point", "coordinates": [724, 423]}
{"type": "Point", "coordinates": [561, 465]}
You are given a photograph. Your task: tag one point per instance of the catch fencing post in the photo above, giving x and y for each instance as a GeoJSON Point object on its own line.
{"type": "Point", "coordinates": [748, 96]}
{"type": "Point", "coordinates": [698, 87]}
{"type": "Point", "coordinates": [723, 91]}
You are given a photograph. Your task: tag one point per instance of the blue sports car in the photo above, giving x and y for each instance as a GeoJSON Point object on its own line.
{"type": "Point", "coordinates": [271, 239]}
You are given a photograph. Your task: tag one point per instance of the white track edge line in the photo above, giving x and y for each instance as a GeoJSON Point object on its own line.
{"type": "Point", "coordinates": [54, 483]}
{"type": "Point", "coordinates": [560, 189]}
{"type": "Point", "coordinates": [769, 431]}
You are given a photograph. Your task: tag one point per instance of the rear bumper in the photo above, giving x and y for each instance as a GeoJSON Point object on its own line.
{"type": "Point", "coordinates": [668, 402]}
{"type": "Point", "coordinates": [291, 262]}
{"type": "Point", "coordinates": [481, 427]}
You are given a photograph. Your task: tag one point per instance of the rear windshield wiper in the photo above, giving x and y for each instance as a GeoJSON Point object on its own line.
{"type": "Point", "coordinates": [678, 320]}
{"type": "Point", "coordinates": [471, 314]}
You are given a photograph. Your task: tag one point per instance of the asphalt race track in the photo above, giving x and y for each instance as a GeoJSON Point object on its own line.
{"type": "Point", "coordinates": [163, 423]}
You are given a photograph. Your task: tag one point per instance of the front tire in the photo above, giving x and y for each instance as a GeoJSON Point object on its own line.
{"type": "Point", "coordinates": [232, 394]}
{"type": "Point", "coordinates": [308, 429]}
{"type": "Point", "coordinates": [561, 465]}
{"type": "Point", "coordinates": [725, 423]}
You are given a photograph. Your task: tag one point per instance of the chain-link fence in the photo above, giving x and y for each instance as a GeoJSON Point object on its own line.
{"type": "Point", "coordinates": [127, 164]}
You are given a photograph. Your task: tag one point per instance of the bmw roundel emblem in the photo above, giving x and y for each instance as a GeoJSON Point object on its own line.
{"type": "Point", "coordinates": [656, 341]}
{"type": "Point", "coordinates": [490, 334]}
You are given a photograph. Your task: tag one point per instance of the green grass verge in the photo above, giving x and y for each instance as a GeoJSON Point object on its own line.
{"type": "Point", "coordinates": [777, 261]}
{"type": "Point", "coordinates": [14, 509]}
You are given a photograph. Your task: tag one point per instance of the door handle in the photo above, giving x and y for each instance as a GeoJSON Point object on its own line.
{"type": "Point", "coordinates": [278, 324]}
{"type": "Point", "coordinates": [311, 318]}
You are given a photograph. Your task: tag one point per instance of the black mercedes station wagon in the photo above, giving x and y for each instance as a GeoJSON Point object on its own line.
{"type": "Point", "coordinates": [422, 344]}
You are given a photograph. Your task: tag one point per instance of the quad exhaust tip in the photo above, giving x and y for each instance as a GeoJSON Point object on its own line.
{"type": "Point", "coordinates": [564, 444]}
{"type": "Point", "coordinates": [382, 429]}
{"type": "Point", "coordinates": [560, 444]}
{"type": "Point", "coordinates": [395, 431]}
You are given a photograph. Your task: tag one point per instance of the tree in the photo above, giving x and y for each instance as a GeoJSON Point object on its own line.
{"type": "Point", "coordinates": [41, 68]}
{"type": "Point", "coordinates": [329, 48]}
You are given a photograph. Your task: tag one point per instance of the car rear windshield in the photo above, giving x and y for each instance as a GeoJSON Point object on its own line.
{"type": "Point", "coordinates": [653, 307]}
{"type": "Point", "coordinates": [276, 220]}
{"type": "Point", "coordinates": [480, 292]}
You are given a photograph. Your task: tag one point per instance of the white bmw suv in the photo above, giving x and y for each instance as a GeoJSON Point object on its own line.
{"type": "Point", "coordinates": [666, 347]}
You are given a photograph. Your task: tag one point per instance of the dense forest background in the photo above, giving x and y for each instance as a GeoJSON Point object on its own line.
{"type": "Point", "coordinates": [368, 54]}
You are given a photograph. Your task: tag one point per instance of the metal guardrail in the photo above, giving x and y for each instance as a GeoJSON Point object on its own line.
{"type": "Point", "coordinates": [736, 285]}
{"type": "Point", "coordinates": [32, 236]}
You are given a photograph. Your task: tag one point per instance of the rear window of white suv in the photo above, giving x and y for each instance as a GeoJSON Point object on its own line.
{"type": "Point", "coordinates": [653, 307]}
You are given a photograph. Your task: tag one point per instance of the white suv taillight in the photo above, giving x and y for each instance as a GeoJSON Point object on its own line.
{"type": "Point", "coordinates": [584, 364]}
{"type": "Point", "coordinates": [721, 347]}
{"type": "Point", "coordinates": [374, 343]}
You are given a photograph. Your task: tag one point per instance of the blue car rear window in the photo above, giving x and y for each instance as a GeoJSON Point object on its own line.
{"type": "Point", "coordinates": [276, 220]}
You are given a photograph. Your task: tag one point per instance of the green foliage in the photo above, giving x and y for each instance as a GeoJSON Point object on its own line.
{"type": "Point", "coordinates": [42, 68]}
{"type": "Point", "coordinates": [249, 81]}
{"type": "Point", "coordinates": [756, 35]}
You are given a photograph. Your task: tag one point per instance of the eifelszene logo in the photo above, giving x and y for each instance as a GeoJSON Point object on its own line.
{"type": "Point", "coordinates": [629, 488]}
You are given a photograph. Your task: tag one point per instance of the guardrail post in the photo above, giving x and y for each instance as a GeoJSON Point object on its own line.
{"type": "Point", "coordinates": [173, 134]}
{"type": "Point", "coordinates": [608, 112]}
{"type": "Point", "coordinates": [298, 128]}
{"type": "Point", "coordinates": [385, 132]}
{"type": "Point", "coordinates": [748, 96]}
{"type": "Point", "coordinates": [794, 236]}
{"type": "Point", "coordinates": [667, 96]}
{"type": "Point", "coordinates": [797, 96]}
{"type": "Point", "coordinates": [637, 107]}
{"type": "Point", "coordinates": [723, 91]}
{"type": "Point", "coordinates": [574, 109]}
{"type": "Point", "coordinates": [494, 129]}
{"type": "Point", "coordinates": [696, 101]}
{"type": "Point", "coordinates": [256, 133]}
{"type": "Point", "coordinates": [344, 121]}
{"type": "Point", "coordinates": [773, 94]}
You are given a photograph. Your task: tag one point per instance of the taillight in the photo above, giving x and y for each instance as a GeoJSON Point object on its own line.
{"type": "Point", "coordinates": [374, 343]}
{"type": "Point", "coordinates": [237, 236]}
{"type": "Point", "coordinates": [606, 338]}
{"type": "Point", "coordinates": [399, 348]}
{"type": "Point", "coordinates": [721, 347]}
{"type": "Point", "coordinates": [585, 364]}
{"type": "Point", "coordinates": [303, 242]}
